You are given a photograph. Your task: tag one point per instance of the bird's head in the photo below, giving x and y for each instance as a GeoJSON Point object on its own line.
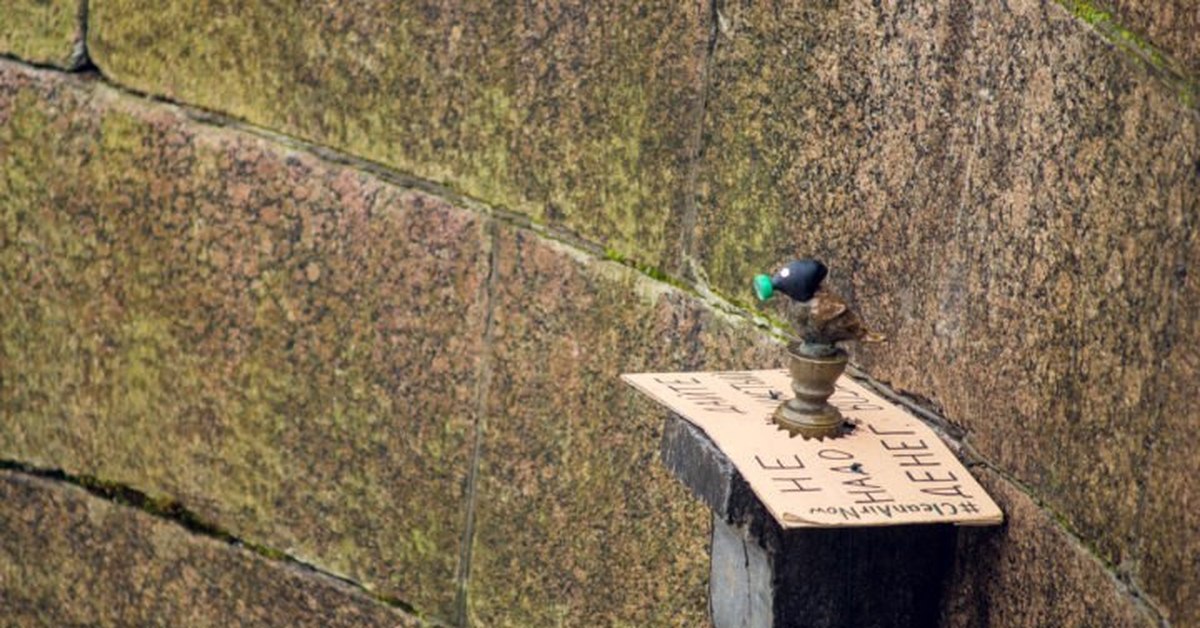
{"type": "Point", "coordinates": [799, 279]}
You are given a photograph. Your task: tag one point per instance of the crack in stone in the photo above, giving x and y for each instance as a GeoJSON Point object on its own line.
{"type": "Point", "coordinates": [695, 149]}
{"type": "Point", "coordinates": [176, 512]}
{"type": "Point", "coordinates": [483, 382]}
{"type": "Point", "coordinates": [80, 60]}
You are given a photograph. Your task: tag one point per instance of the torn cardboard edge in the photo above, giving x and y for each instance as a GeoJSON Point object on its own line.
{"type": "Point", "coordinates": [892, 469]}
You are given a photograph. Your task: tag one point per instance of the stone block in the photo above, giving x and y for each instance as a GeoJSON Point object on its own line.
{"type": "Point", "coordinates": [1003, 194]}
{"type": "Point", "coordinates": [577, 521]}
{"type": "Point", "coordinates": [1030, 572]}
{"type": "Point", "coordinates": [1169, 563]}
{"type": "Point", "coordinates": [583, 115]}
{"type": "Point", "coordinates": [42, 31]}
{"type": "Point", "coordinates": [287, 347]}
{"type": "Point", "coordinates": [68, 558]}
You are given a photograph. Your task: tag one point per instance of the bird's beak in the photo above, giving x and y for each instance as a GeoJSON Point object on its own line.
{"type": "Point", "coordinates": [764, 287]}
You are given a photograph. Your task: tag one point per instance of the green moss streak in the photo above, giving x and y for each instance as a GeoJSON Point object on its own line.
{"type": "Point", "coordinates": [1087, 12]}
{"type": "Point", "coordinates": [648, 270]}
{"type": "Point", "coordinates": [1161, 64]}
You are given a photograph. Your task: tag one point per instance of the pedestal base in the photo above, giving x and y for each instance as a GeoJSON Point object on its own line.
{"type": "Point", "coordinates": [825, 423]}
{"type": "Point", "coordinates": [809, 413]}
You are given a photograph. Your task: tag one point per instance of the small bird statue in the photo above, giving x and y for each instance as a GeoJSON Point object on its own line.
{"type": "Point", "coordinates": [824, 318]}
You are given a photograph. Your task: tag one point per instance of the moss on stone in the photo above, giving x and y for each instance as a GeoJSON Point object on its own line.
{"type": "Point", "coordinates": [286, 348]}
{"type": "Point", "coordinates": [1169, 69]}
{"type": "Point", "coordinates": [575, 114]}
{"type": "Point", "coordinates": [984, 181]}
{"type": "Point", "coordinates": [656, 274]}
{"type": "Point", "coordinates": [41, 31]}
{"type": "Point", "coordinates": [577, 522]}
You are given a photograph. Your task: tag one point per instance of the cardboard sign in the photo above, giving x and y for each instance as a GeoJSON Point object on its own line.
{"type": "Point", "coordinates": [891, 470]}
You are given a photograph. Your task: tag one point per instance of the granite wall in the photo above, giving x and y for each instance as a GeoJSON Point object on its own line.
{"type": "Point", "coordinates": [313, 312]}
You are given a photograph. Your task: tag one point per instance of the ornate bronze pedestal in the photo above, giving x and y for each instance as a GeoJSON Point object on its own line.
{"type": "Point", "coordinates": [809, 413]}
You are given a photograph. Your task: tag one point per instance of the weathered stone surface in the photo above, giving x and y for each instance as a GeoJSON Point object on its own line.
{"type": "Point", "coordinates": [1170, 561]}
{"type": "Point", "coordinates": [41, 31]}
{"type": "Point", "coordinates": [577, 521]}
{"type": "Point", "coordinates": [1029, 573]}
{"type": "Point", "coordinates": [1171, 25]}
{"type": "Point", "coordinates": [70, 559]}
{"type": "Point", "coordinates": [288, 348]}
{"type": "Point", "coordinates": [1001, 192]}
{"type": "Point", "coordinates": [579, 113]}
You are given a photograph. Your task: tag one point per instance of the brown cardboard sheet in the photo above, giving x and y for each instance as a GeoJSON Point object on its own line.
{"type": "Point", "coordinates": [892, 469]}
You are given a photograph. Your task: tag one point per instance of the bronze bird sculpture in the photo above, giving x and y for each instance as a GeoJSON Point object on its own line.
{"type": "Point", "coordinates": [823, 319]}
